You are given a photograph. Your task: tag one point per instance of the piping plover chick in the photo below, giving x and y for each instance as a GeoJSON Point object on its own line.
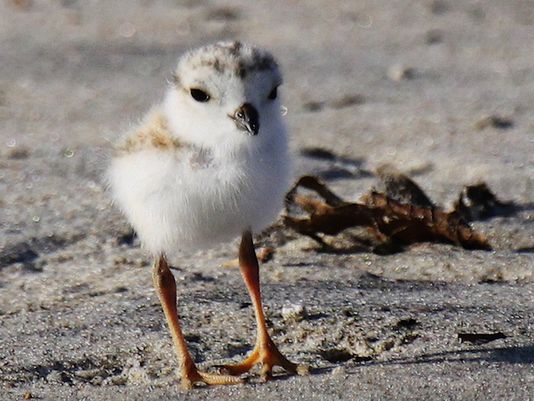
{"type": "Point", "coordinates": [207, 165]}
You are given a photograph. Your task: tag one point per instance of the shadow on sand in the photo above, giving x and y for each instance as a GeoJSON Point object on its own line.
{"type": "Point", "coordinates": [512, 355]}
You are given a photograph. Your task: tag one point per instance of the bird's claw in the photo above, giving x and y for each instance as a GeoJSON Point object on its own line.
{"type": "Point", "coordinates": [193, 377]}
{"type": "Point", "coordinates": [268, 356]}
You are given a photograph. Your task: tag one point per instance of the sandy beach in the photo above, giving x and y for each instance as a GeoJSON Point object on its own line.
{"type": "Point", "coordinates": [441, 89]}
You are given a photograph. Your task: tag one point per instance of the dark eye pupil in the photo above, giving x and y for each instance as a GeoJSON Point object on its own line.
{"type": "Point", "coordinates": [273, 93]}
{"type": "Point", "coordinates": [199, 95]}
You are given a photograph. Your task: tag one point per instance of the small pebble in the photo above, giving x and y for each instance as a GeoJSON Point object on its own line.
{"type": "Point", "coordinates": [338, 371]}
{"type": "Point", "coordinates": [494, 121]}
{"type": "Point", "coordinates": [137, 375]}
{"type": "Point", "coordinates": [87, 374]}
{"type": "Point", "coordinates": [400, 72]}
{"type": "Point", "coordinates": [294, 312]}
{"type": "Point", "coordinates": [54, 377]}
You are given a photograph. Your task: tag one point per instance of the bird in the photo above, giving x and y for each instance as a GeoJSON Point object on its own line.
{"type": "Point", "coordinates": [209, 164]}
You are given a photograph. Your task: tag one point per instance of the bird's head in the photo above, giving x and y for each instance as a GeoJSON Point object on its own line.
{"type": "Point", "coordinates": [225, 95]}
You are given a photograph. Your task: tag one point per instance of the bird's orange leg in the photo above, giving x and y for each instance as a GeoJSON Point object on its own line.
{"type": "Point", "coordinates": [265, 351]}
{"type": "Point", "coordinates": [166, 289]}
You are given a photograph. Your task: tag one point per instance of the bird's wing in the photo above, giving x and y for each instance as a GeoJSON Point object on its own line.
{"type": "Point", "coordinates": [151, 133]}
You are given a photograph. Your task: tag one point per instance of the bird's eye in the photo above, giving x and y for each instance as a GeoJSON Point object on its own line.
{"type": "Point", "coordinates": [199, 95]}
{"type": "Point", "coordinates": [273, 93]}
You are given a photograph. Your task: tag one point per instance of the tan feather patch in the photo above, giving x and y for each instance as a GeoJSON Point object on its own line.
{"type": "Point", "coordinates": [152, 133]}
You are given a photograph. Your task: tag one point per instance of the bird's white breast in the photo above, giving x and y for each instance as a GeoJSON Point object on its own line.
{"type": "Point", "coordinates": [192, 199]}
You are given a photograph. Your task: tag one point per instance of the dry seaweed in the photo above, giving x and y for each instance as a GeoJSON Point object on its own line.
{"type": "Point", "coordinates": [402, 188]}
{"type": "Point", "coordinates": [477, 202]}
{"type": "Point", "coordinates": [391, 222]}
{"type": "Point", "coordinates": [409, 224]}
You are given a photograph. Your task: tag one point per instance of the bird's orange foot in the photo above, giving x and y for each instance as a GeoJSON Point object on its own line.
{"type": "Point", "coordinates": [192, 376]}
{"type": "Point", "coordinates": [268, 356]}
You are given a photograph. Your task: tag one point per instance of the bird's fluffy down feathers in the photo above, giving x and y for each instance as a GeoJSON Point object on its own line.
{"type": "Point", "coordinates": [186, 177]}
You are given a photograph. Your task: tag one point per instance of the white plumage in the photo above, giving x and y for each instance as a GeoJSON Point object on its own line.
{"type": "Point", "coordinates": [191, 175]}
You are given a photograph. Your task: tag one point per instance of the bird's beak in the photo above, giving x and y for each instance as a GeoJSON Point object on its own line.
{"type": "Point", "coordinates": [247, 119]}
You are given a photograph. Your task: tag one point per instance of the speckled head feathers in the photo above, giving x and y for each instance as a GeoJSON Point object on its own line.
{"type": "Point", "coordinates": [214, 84]}
{"type": "Point", "coordinates": [229, 58]}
